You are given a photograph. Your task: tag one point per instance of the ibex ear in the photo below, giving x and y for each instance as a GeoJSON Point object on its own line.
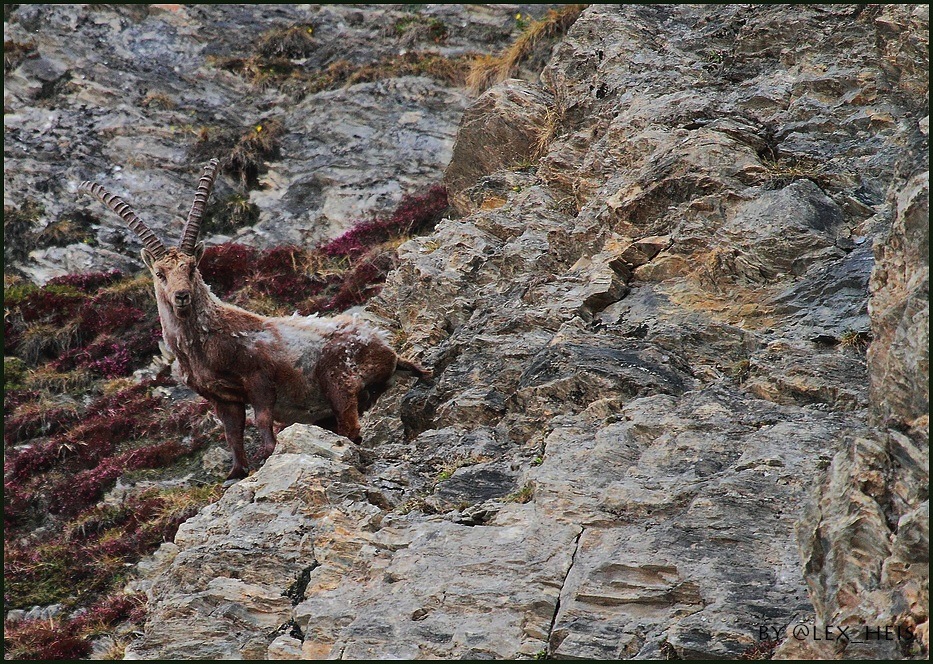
{"type": "Point", "coordinates": [148, 258]}
{"type": "Point", "coordinates": [198, 252]}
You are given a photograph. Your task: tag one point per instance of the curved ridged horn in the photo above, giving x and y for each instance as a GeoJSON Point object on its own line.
{"type": "Point", "coordinates": [193, 226]}
{"type": "Point", "coordinates": [118, 205]}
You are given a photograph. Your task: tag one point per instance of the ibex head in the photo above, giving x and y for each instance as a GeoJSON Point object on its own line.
{"type": "Point", "coordinates": [173, 269]}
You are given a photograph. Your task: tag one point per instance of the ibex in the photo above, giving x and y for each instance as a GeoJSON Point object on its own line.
{"type": "Point", "coordinates": [298, 369]}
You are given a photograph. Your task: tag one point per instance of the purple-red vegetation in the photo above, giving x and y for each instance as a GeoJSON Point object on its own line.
{"type": "Point", "coordinates": [87, 451]}
{"type": "Point", "coordinates": [108, 421]}
{"type": "Point", "coordinates": [50, 304]}
{"type": "Point", "coordinates": [37, 423]}
{"type": "Point", "coordinates": [87, 282]}
{"type": "Point", "coordinates": [73, 302]}
{"type": "Point", "coordinates": [362, 282]}
{"type": "Point", "coordinates": [74, 493]}
{"type": "Point", "coordinates": [112, 610]}
{"type": "Point", "coordinates": [413, 214]}
{"type": "Point", "coordinates": [108, 359]}
{"type": "Point", "coordinates": [15, 398]}
{"type": "Point", "coordinates": [43, 639]}
{"type": "Point", "coordinates": [96, 319]}
{"type": "Point", "coordinates": [105, 358]}
{"type": "Point", "coordinates": [224, 266]}
{"type": "Point", "coordinates": [280, 274]}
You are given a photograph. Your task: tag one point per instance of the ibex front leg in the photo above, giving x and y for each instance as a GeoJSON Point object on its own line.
{"type": "Point", "coordinates": [233, 416]}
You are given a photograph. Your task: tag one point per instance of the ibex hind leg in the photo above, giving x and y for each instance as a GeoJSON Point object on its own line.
{"type": "Point", "coordinates": [342, 386]}
{"type": "Point", "coordinates": [344, 399]}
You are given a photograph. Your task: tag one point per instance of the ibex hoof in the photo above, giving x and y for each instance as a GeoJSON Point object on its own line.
{"type": "Point", "coordinates": [237, 473]}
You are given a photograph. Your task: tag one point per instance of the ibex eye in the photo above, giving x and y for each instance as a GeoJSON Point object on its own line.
{"type": "Point", "coordinates": [161, 275]}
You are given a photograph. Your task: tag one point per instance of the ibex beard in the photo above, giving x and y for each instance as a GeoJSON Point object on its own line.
{"type": "Point", "coordinates": [289, 369]}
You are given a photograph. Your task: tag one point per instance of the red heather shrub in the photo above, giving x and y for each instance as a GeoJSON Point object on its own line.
{"type": "Point", "coordinates": [97, 318]}
{"type": "Point", "coordinates": [12, 334]}
{"type": "Point", "coordinates": [280, 274]}
{"type": "Point", "coordinates": [112, 610]}
{"type": "Point", "coordinates": [53, 305]}
{"type": "Point", "coordinates": [17, 504]}
{"type": "Point", "coordinates": [417, 214]}
{"type": "Point", "coordinates": [362, 282]}
{"type": "Point", "coordinates": [26, 462]}
{"type": "Point", "coordinates": [13, 399]}
{"type": "Point", "coordinates": [115, 360]}
{"type": "Point", "coordinates": [121, 416]}
{"type": "Point", "coordinates": [87, 283]}
{"type": "Point", "coordinates": [153, 456]}
{"type": "Point", "coordinates": [143, 344]}
{"type": "Point", "coordinates": [226, 267]}
{"type": "Point", "coordinates": [109, 359]}
{"type": "Point", "coordinates": [38, 639]}
{"type": "Point", "coordinates": [357, 240]}
{"type": "Point", "coordinates": [31, 424]}
{"type": "Point", "coordinates": [413, 214]}
{"type": "Point", "coordinates": [75, 493]}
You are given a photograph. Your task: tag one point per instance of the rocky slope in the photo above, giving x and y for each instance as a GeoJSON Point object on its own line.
{"type": "Point", "coordinates": [654, 430]}
{"type": "Point", "coordinates": [140, 97]}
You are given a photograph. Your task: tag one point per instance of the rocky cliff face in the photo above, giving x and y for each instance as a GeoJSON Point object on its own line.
{"type": "Point", "coordinates": [679, 328]}
{"type": "Point", "coordinates": [138, 98]}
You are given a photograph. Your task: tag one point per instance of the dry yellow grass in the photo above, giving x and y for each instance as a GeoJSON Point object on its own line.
{"type": "Point", "coordinates": [47, 378]}
{"type": "Point", "coordinates": [491, 69]}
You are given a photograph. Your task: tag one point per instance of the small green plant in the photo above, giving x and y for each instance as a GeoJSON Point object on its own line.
{"type": "Point", "coordinates": [246, 152]}
{"type": "Point", "coordinates": [784, 171]}
{"type": "Point", "coordinates": [537, 461]}
{"type": "Point", "coordinates": [248, 157]}
{"type": "Point", "coordinates": [72, 228]}
{"type": "Point", "coordinates": [523, 495]}
{"type": "Point", "coordinates": [416, 27]}
{"type": "Point", "coordinates": [226, 215]}
{"type": "Point", "coordinates": [293, 42]}
{"type": "Point", "coordinates": [14, 371]}
{"type": "Point", "coordinates": [449, 468]}
{"type": "Point", "coordinates": [521, 22]}
{"type": "Point", "coordinates": [19, 224]}
{"type": "Point", "coordinates": [857, 340]}
{"type": "Point", "coordinates": [740, 371]}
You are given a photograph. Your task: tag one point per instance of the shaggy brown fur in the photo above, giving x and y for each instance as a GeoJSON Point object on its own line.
{"type": "Point", "coordinates": [298, 369]}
